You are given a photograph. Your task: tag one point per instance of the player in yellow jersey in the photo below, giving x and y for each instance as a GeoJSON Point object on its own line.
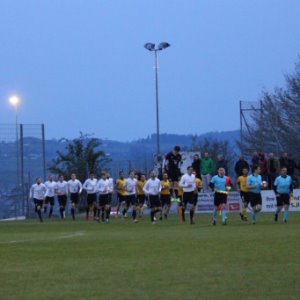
{"type": "Point", "coordinates": [141, 197]}
{"type": "Point", "coordinates": [121, 192]}
{"type": "Point", "coordinates": [165, 196]}
{"type": "Point", "coordinates": [241, 185]}
{"type": "Point", "coordinates": [198, 188]}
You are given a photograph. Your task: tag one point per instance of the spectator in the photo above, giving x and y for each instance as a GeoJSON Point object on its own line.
{"type": "Point", "coordinates": [196, 165]}
{"type": "Point", "coordinates": [272, 169]}
{"type": "Point", "coordinates": [221, 163]}
{"type": "Point", "coordinates": [262, 163]}
{"type": "Point", "coordinates": [240, 165]}
{"type": "Point", "coordinates": [206, 169]}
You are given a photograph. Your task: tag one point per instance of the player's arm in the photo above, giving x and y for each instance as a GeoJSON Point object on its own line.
{"type": "Point", "coordinates": [146, 188]}
{"type": "Point", "coordinates": [212, 184]}
{"type": "Point", "coordinates": [80, 187]}
{"type": "Point", "coordinates": [238, 184]}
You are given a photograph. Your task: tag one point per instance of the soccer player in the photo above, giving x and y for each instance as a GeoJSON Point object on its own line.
{"type": "Point", "coordinates": [254, 183]}
{"type": "Point", "coordinates": [220, 184]}
{"type": "Point", "coordinates": [173, 163]}
{"type": "Point", "coordinates": [141, 197]}
{"type": "Point", "coordinates": [61, 190]}
{"type": "Point", "coordinates": [152, 189]}
{"type": "Point", "coordinates": [179, 191]}
{"type": "Point", "coordinates": [49, 196]}
{"type": "Point", "coordinates": [110, 191]}
{"type": "Point", "coordinates": [188, 184]}
{"type": "Point", "coordinates": [121, 192]}
{"type": "Point", "coordinates": [283, 188]}
{"type": "Point", "coordinates": [198, 187]}
{"type": "Point", "coordinates": [241, 185]}
{"type": "Point", "coordinates": [130, 196]}
{"type": "Point", "coordinates": [165, 195]}
{"type": "Point", "coordinates": [90, 187]}
{"type": "Point", "coordinates": [103, 187]}
{"type": "Point", "coordinates": [37, 194]}
{"type": "Point", "coordinates": [74, 189]}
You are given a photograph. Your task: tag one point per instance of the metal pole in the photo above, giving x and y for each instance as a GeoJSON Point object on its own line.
{"type": "Point", "coordinates": [44, 151]}
{"type": "Point", "coordinates": [22, 167]}
{"type": "Point", "coordinates": [157, 106]}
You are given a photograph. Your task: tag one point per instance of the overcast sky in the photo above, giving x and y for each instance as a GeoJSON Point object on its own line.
{"type": "Point", "coordinates": [80, 65]}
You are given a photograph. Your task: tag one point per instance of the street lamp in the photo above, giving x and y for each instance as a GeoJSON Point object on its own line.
{"type": "Point", "coordinates": [15, 103]}
{"type": "Point", "coordinates": [151, 47]}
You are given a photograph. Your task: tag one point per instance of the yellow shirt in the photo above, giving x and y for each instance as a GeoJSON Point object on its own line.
{"type": "Point", "coordinates": [165, 187]}
{"type": "Point", "coordinates": [198, 184]}
{"type": "Point", "coordinates": [120, 187]}
{"type": "Point", "coordinates": [139, 187]}
{"type": "Point", "coordinates": [242, 182]}
{"type": "Point", "coordinates": [180, 191]}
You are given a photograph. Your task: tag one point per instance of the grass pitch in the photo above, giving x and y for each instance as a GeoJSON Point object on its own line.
{"type": "Point", "coordinates": [121, 260]}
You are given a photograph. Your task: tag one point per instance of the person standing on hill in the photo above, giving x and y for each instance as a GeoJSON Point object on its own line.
{"type": "Point", "coordinates": [206, 168]}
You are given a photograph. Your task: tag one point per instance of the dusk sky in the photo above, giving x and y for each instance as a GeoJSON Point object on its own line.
{"type": "Point", "coordinates": [80, 65]}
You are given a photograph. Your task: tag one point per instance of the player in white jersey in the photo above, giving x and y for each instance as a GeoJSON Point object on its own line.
{"type": "Point", "coordinates": [90, 187]}
{"type": "Point", "coordinates": [74, 189]}
{"type": "Point", "coordinates": [111, 190]}
{"type": "Point", "coordinates": [61, 191]}
{"type": "Point", "coordinates": [50, 193]}
{"type": "Point", "coordinates": [103, 188]}
{"type": "Point", "coordinates": [188, 185]}
{"type": "Point", "coordinates": [37, 194]}
{"type": "Point", "coordinates": [130, 195]}
{"type": "Point", "coordinates": [152, 189]}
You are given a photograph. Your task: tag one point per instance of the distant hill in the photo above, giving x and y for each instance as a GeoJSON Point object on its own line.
{"type": "Point", "coordinates": [136, 154]}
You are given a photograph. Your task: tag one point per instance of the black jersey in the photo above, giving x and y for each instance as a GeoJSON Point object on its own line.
{"type": "Point", "coordinates": [174, 161]}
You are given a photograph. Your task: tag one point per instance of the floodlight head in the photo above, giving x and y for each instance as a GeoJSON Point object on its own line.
{"type": "Point", "coordinates": [163, 45]}
{"type": "Point", "coordinates": [150, 46]}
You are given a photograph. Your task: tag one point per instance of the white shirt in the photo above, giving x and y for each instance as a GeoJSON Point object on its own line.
{"type": "Point", "coordinates": [74, 186]}
{"type": "Point", "coordinates": [90, 185]}
{"type": "Point", "coordinates": [61, 188]}
{"type": "Point", "coordinates": [152, 187]}
{"type": "Point", "coordinates": [50, 185]}
{"type": "Point", "coordinates": [130, 185]}
{"type": "Point", "coordinates": [187, 182]}
{"type": "Point", "coordinates": [103, 186]}
{"type": "Point", "coordinates": [37, 191]}
{"type": "Point", "coordinates": [111, 184]}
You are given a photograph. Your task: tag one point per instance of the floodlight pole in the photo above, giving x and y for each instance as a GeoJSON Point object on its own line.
{"type": "Point", "coordinates": [151, 47]}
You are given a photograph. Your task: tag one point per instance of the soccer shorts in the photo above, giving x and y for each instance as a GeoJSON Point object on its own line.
{"type": "Point", "coordinates": [91, 199]}
{"type": "Point", "coordinates": [74, 197]}
{"type": "Point", "coordinates": [220, 198]}
{"type": "Point", "coordinates": [154, 201]}
{"type": "Point", "coordinates": [49, 200]}
{"type": "Point", "coordinates": [174, 174]}
{"type": "Point", "coordinates": [130, 199]}
{"type": "Point", "coordinates": [103, 200]}
{"type": "Point", "coordinates": [283, 199]}
{"type": "Point", "coordinates": [62, 200]}
{"type": "Point", "coordinates": [165, 199]}
{"type": "Point", "coordinates": [141, 199]}
{"type": "Point", "coordinates": [188, 197]}
{"type": "Point", "coordinates": [38, 202]}
{"type": "Point", "coordinates": [245, 197]}
{"type": "Point", "coordinates": [121, 198]}
{"type": "Point", "coordinates": [255, 199]}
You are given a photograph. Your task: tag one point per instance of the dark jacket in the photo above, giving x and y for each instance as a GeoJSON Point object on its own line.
{"type": "Point", "coordinates": [239, 166]}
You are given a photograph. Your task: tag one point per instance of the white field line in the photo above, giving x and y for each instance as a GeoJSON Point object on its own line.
{"type": "Point", "coordinates": [60, 237]}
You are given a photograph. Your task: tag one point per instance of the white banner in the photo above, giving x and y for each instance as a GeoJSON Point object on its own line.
{"type": "Point", "coordinates": [234, 203]}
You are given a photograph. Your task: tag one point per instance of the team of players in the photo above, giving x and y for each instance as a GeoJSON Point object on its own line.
{"type": "Point", "coordinates": [137, 192]}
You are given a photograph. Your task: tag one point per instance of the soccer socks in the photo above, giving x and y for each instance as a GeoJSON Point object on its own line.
{"type": "Point", "coordinates": [45, 209]}
{"type": "Point", "coordinates": [107, 213]}
{"type": "Point", "coordinates": [61, 211]}
{"type": "Point", "coordinates": [224, 215]}
{"type": "Point", "coordinates": [87, 213]}
{"type": "Point", "coordinates": [51, 211]}
{"type": "Point", "coordinates": [285, 215]}
{"type": "Point", "coordinates": [73, 213]}
{"type": "Point", "coordinates": [215, 212]}
{"type": "Point", "coordinates": [95, 211]}
{"type": "Point", "coordinates": [124, 211]}
{"type": "Point", "coordinates": [152, 216]}
{"type": "Point", "coordinates": [40, 215]}
{"type": "Point", "coordinates": [253, 217]}
{"type": "Point", "coordinates": [192, 214]}
{"type": "Point", "coordinates": [244, 212]}
{"type": "Point", "coordinates": [134, 214]}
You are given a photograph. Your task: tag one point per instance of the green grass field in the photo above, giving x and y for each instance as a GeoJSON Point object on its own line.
{"type": "Point", "coordinates": [121, 260]}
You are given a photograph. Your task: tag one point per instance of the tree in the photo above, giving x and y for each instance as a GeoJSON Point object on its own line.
{"type": "Point", "coordinates": [276, 128]}
{"type": "Point", "coordinates": [82, 157]}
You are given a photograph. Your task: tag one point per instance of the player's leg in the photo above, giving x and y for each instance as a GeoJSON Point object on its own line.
{"type": "Point", "coordinates": [286, 204]}
{"type": "Point", "coordinates": [134, 207]}
{"type": "Point", "coordinates": [38, 208]}
{"type": "Point", "coordinates": [51, 200]}
{"type": "Point", "coordinates": [216, 208]}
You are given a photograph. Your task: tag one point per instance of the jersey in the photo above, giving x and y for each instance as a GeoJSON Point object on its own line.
{"type": "Point", "coordinates": [152, 187]}
{"type": "Point", "coordinates": [254, 181]}
{"type": "Point", "coordinates": [242, 182]}
{"type": "Point", "coordinates": [139, 187]}
{"type": "Point", "coordinates": [220, 183]}
{"type": "Point", "coordinates": [188, 183]}
{"type": "Point", "coordinates": [198, 183]}
{"type": "Point", "coordinates": [120, 186]}
{"type": "Point", "coordinates": [165, 187]}
{"type": "Point", "coordinates": [174, 161]}
{"type": "Point", "coordinates": [283, 184]}
{"type": "Point", "coordinates": [50, 185]}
